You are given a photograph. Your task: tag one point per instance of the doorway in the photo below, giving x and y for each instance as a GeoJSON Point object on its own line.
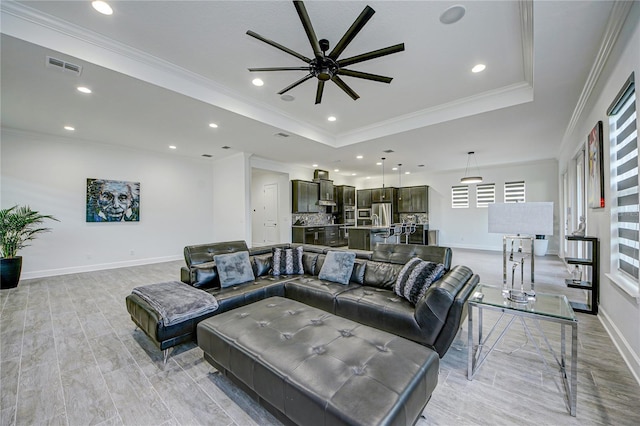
{"type": "Point", "coordinates": [270, 223]}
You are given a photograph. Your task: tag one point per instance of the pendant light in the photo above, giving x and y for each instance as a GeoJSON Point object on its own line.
{"type": "Point", "coordinates": [467, 178]}
{"type": "Point", "coordinates": [383, 158]}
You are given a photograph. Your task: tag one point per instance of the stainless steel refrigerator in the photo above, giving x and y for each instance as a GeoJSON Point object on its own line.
{"type": "Point", "coordinates": [383, 212]}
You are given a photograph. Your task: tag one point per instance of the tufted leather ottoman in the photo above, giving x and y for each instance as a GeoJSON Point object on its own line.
{"type": "Point", "coordinates": [316, 368]}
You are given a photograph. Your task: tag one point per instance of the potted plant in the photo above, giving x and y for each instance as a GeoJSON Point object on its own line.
{"type": "Point", "coordinates": [540, 245]}
{"type": "Point", "coordinates": [18, 226]}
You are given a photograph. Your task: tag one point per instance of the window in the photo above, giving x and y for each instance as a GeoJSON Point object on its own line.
{"type": "Point", "coordinates": [514, 192]}
{"type": "Point", "coordinates": [485, 194]}
{"type": "Point", "coordinates": [623, 135]}
{"type": "Point", "coordinates": [460, 197]}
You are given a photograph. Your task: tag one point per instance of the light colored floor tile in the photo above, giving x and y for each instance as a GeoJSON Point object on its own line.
{"type": "Point", "coordinates": [83, 362]}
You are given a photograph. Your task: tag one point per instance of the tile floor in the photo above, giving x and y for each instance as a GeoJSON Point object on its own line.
{"type": "Point", "coordinates": [70, 355]}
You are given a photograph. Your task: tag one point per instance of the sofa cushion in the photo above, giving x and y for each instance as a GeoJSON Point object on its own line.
{"type": "Point", "coordinates": [287, 261]}
{"type": "Point", "coordinates": [401, 253]}
{"type": "Point", "coordinates": [310, 262]}
{"type": "Point", "coordinates": [316, 292]}
{"type": "Point", "coordinates": [203, 253]}
{"type": "Point", "coordinates": [382, 309]}
{"type": "Point", "coordinates": [415, 278]}
{"type": "Point", "coordinates": [338, 266]}
{"type": "Point", "coordinates": [381, 274]}
{"type": "Point", "coordinates": [234, 268]}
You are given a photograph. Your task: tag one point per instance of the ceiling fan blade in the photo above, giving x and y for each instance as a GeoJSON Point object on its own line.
{"type": "Point", "coordinates": [341, 84]}
{"type": "Point", "coordinates": [353, 30]}
{"type": "Point", "coordinates": [278, 46]}
{"type": "Point", "coordinates": [319, 91]}
{"type": "Point", "coordinates": [279, 69]}
{"type": "Point", "coordinates": [371, 55]}
{"type": "Point", "coordinates": [302, 80]}
{"type": "Point", "coordinates": [308, 28]}
{"type": "Point", "coordinates": [360, 74]}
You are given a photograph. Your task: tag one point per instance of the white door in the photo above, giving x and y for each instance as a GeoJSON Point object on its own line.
{"type": "Point", "coordinates": [271, 214]}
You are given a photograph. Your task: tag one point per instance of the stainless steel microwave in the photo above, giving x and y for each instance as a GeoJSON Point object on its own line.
{"type": "Point", "coordinates": [364, 213]}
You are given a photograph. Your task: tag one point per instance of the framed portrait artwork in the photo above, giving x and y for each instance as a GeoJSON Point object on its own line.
{"type": "Point", "coordinates": [596, 168]}
{"type": "Point", "coordinates": [112, 201]}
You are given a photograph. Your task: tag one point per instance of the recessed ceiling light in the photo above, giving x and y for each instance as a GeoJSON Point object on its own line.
{"type": "Point", "coordinates": [102, 7]}
{"type": "Point", "coordinates": [287, 98]}
{"type": "Point", "coordinates": [359, 157]}
{"type": "Point", "coordinates": [336, 170]}
{"type": "Point", "coordinates": [394, 168]}
{"type": "Point", "coordinates": [479, 68]}
{"type": "Point", "coordinates": [257, 82]}
{"type": "Point", "coordinates": [453, 14]}
{"type": "Point", "coordinates": [84, 89]}
{"type": "Point", "coordinates": [368, 177]}
{"type": "Point", "coordinates": [314, 165]}
{"type": "Point", "coordinates": [407, 173]}
{"type": "Point", "coordinates": [172, 147]}
{"type": "Point", "coordinates": [331, 118]}
{"type": "Point", "coordinates": [213, 125]}
{"type": "Point", "coordinates": [379, 163]}
{"type": "Point", "coordinates": [353, 174]}
{"type": "Point", "coordinates": [69, 128]}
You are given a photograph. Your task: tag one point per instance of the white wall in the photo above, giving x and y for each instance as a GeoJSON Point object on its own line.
{"type": "Point", "coordinates": [232, 201]}
{"type": "Point", "coordinates": [49, 174]}
{"type": "Point", "coordinates": [619, 308]}
{"type": "Point", "coordinates": [468, 228]}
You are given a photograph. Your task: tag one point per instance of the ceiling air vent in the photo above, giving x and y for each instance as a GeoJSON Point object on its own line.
{"type": "Point", "coordinates": [207, 155]}
{"type": "Point", "coordinates": [388, 151]}
{"type": "Point", "coordinates": [63, 65]}
{"type": "Point", "coordinates": [226, 147]}
{"type": "Point", "coordinates": [281, 135]}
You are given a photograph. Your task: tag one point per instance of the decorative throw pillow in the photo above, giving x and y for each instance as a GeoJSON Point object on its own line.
{"type": "Point", "coordinates": [287, 261]}
{"type": "Point", "coordinates": [337, 266]}
{"type": "Point", "coordinates": [415, 277]}
{"type": "Point", "coordinates": [234, 268]}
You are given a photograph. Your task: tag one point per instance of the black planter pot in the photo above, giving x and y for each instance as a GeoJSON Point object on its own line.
{"type": "Point", "coordinates": [10, 270]}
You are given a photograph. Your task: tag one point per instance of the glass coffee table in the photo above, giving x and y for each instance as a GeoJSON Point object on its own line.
{"type": "Point", "coordinates": [545, 307]}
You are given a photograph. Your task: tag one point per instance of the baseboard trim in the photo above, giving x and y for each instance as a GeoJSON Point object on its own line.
{"type": "Point", "coordinates": [630, 357]}
{"type": "Point", "coordinates": [98, 267]}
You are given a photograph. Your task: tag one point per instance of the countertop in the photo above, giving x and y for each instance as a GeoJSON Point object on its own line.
{"type": "Point", "coordinates": [371, 228]}
{"type": "Point", "coordinates": [318, 226]}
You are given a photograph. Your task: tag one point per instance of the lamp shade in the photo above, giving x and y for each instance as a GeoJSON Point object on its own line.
{"type": "Point", "coordinates": [521, 218]}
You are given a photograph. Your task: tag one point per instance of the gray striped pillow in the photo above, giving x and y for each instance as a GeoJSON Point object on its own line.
{"type": "Point", "coordinates": [287, 261]}
{"type": "Point", "coordinates": [415, 277]}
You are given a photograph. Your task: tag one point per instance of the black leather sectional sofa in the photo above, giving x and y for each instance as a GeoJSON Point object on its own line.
{"type": "Point", "coordinates": [367, 299]}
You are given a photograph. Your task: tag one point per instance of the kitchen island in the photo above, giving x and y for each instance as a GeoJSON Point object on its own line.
{"type": "Point", "coordinates": [365, 237]}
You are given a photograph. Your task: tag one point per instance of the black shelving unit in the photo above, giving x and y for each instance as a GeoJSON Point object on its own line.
{"type": "Point", "coordinates": [593, 283]}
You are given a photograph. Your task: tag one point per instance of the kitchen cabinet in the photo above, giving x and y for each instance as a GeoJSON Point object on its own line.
{"type": "Point", "coordinates": [413, 199]}
{"type": "Point", "coordinates": [304, 196]}
{"type": "Point", "coordinates": [326, 190]}
{"type": "Point", "coordinates": [345, 195]}
{"type": "Point", "coordinates": [360, 239]}
{"type": "Point", "coordinates": [332, 236]}
{"type": "Point", "coordinates": [364, 198]}
{"type": "Point", "coordinates": [383, 195]}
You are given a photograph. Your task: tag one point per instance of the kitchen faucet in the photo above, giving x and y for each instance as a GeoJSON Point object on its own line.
{"type": "Point", "coordinates": [376, 219]}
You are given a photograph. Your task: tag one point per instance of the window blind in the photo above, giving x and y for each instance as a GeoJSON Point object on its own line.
{"type": "Point", "coordinates": [485, 194]}
{"type": "Point", "coordinates": [514, 192]}
{"type": "Point", "coordinates": [460, 197]}
{"type": "Point", "coordinates": [623, 135]}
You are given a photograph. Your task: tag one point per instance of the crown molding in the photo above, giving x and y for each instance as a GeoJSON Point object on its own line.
{"type": "Point", "coordinates": [526, 26]}
{"type": "Point", "coordinates": [617, 17]}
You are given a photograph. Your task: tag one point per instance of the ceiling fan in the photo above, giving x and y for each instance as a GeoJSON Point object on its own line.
{"type": "Point", "coordinates": [328, 67]}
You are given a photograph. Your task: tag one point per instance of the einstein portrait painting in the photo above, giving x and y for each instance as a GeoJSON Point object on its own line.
{"type": "Point", "coordinates": [113, 201]}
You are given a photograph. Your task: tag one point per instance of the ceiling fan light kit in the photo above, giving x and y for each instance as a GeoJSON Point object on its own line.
{"type": "Point", "coordinates": [471, 179]}
{"type": "Point", "coordinates": [328, 67]}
